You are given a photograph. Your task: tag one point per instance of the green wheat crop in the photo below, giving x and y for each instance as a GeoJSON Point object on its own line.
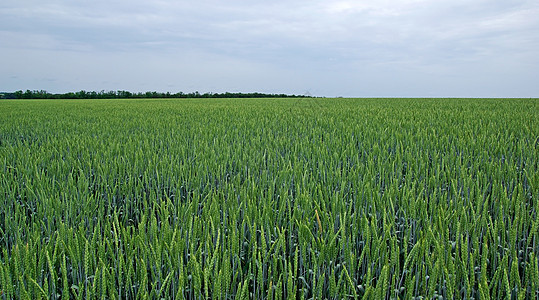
{"type": "Point", "coordinates": [269, 199]}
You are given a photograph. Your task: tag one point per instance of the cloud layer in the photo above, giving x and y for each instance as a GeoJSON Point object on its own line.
{"type": "Point", "coordinates": [329, 48]}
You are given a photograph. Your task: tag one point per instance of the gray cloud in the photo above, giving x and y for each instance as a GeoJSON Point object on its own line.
{"type": "Point", "coordinates": [351, 48]}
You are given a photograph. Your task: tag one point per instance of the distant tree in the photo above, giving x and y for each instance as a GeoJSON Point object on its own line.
{"type": "Point", "coordinates": [42, 94]}
{"type": "Point", "coordinates": [28, 94]}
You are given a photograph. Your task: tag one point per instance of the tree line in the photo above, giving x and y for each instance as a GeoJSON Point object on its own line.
{"type": "Point", "coordinates": [40, 94]}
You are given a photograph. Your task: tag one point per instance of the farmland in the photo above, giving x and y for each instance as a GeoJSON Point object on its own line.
{"type": "Point", "coordinates": [269, 199]}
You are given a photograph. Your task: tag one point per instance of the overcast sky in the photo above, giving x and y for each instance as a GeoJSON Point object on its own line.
{"type": "Point", "coordinates": [409, 48]}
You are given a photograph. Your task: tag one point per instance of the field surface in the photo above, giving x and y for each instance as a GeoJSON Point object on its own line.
{"type": "Point", "coordinates": [269, 199]}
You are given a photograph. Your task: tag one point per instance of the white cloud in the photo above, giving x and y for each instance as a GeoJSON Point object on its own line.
{"type": "Point", "coordinates": [312, 42]}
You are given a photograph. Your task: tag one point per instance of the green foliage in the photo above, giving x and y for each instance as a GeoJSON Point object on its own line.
{"type": "Point", "coordinates": [41, 94]}
{"type": "Point", "coordinates": [269, 199]}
